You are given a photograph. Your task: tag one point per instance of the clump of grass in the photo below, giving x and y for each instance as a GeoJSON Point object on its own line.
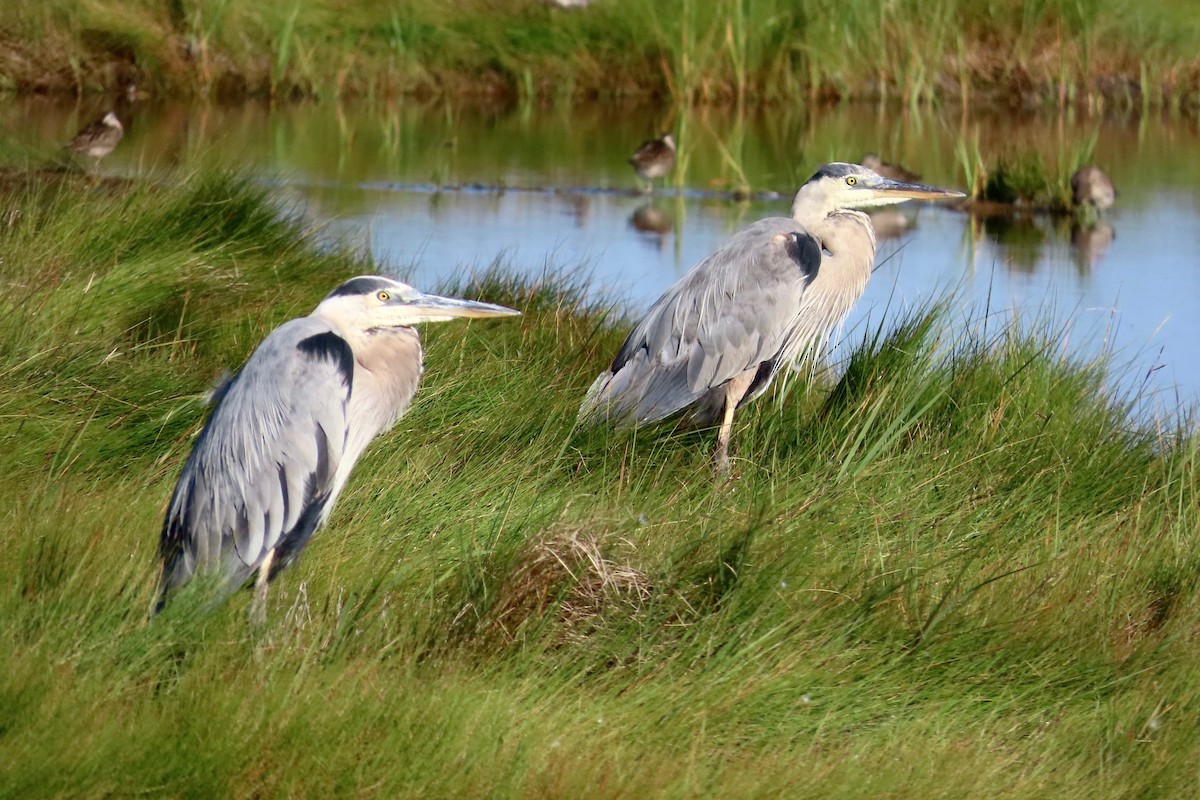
{"type": "Point", "coordinates": [1020, 180]}
{"type": "Point", "coordinates": [965, 556]}
{"type": "Point", "coordinates": [1024, 179]}
{"type": "Point", "coordinates": [569, 580]}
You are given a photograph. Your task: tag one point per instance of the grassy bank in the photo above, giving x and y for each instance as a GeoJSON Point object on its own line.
{"type": "Point", "coordinates": [1046, 53]}
{"type": "Point", "coordinates": [959, 571]}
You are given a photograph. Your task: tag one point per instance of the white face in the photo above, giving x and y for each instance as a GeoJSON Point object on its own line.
{"type": "Point", "coordinates": [373, 302]}
{"type": "Point", "coordinates": [858, 188]}
{"type": "Point", "coordinates": [385, 303]}
{"type": "Point", "coordinates": [393, 293]}
{"type": "Point", "coordinates": [818, 198]}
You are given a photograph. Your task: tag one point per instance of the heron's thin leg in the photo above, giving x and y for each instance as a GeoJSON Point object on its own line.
{"type": "Point", "coordinates": [258, 606]}
{"type": "Point", "coordinates": [735, 390]}
{"type": "Point", "coordinates": [721, 458]}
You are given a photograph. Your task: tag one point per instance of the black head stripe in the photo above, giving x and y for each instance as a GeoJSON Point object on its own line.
{"type": "Point", "coordinates": [836, 170]}
{"type": "Point", "coordinates": [362, 285]}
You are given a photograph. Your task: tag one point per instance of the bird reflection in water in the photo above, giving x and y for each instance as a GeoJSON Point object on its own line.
{"type": "Point", "coordinates": [1020, 236]}
{"type": "Point", "coordinates": [890, 223]}
{"type": "Point", "coordinates": [652, 219]}
{"type": "Point", "coordinates": [1089, 243]}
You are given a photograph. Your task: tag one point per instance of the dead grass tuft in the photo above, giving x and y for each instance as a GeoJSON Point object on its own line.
{"type": "Point", "coordinates": [569, 576]}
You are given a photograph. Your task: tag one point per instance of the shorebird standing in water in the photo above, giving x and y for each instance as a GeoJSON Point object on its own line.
{"type": "Point", "coordinates": [99, 138]}
{"type": "Point", "coordinates": [1091, 185]}
{"type": "Point", "coordinates": [654, 159]}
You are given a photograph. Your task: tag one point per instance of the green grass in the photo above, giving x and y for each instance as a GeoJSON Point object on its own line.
{"type": "Point", "coordinates": [961, 570]}
{"type": "Point", "coordinates": [1099, 53]}
{"type": "Point", "coordinates": [1022, 175]}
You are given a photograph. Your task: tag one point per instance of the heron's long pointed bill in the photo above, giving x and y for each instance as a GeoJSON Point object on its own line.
{"type": "Point", "coordinates": [895, 191]}
{"type": "Point", "coordinates": [435, 308]}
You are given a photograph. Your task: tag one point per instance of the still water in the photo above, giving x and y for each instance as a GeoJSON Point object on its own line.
{"type": "Point", "coordinates": [438, 192]}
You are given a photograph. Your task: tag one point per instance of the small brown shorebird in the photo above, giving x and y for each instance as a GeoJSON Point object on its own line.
{"type": "Point", "coordinates": [99, 138]}
{"type": "Point", "coordinates": [893, 171]}
{"type": "Point", "coordinates": [654, 159]}
{"type": "Point", "coordinates": [1091, 185]}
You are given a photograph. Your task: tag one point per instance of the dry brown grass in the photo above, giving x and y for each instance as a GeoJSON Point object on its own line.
{"type": "Point", "coordinates": [571, 575]}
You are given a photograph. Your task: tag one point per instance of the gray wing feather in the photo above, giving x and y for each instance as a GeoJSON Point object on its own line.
{"type": "Point", "coordinates": [267, 454]}
{"type": "Point", "coordinates": [732, 312]}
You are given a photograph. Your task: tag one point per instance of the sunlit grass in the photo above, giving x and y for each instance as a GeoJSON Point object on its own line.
{"type": "Point", "coordinates": [1051, 52]}
{"type": "Point", "coordinates": [962, 568]}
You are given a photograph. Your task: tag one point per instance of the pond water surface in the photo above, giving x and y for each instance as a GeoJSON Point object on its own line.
{"type": "Point", "coordinates": [438, 192]}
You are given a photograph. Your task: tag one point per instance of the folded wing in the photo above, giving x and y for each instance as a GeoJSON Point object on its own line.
{"type": "Point", "coordinates": [732, 312]}
{"type": "Point", "coordinates": [262, 469]}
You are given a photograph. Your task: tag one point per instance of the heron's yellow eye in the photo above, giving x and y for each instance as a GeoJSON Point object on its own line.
{"type": "Point", "coordinates": [384, 295]}
{"type": "Point", "coordinates": [850, 181]}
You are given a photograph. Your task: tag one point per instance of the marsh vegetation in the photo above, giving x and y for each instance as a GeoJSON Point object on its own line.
{"type": "Point", "coordinates": [955, 566]}
{"type": "Point", "coordinates": [958, 562]}
{"type": "Point", "coordinates": [1047, 53]}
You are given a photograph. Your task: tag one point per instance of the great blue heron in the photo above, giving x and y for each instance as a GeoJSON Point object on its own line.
{"type": "Point", "coordinates": [268, 467]}
{"type": "Point", "coordinates": [655, 158]}
{"type": "Point", "coordinates": [1090, 185]}
{"type": "Point", "coordinates": [99, 138]}
{"type": "Point", "coordinates": [771, 294]}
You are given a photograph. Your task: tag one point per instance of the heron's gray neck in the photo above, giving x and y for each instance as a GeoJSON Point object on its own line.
{"type": "Point", "coordinates": [391, 359]}
{"type": "Point", "coordinates": [846, 233]}
{"type": "Point", "coordinates": [388, 363]}
{"type": "Point", "coordinates": [848, 244]}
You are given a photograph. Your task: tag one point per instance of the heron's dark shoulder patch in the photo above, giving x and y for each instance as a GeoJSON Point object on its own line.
{"type": "Point", "coordinates": [805, 250]}
{"type": "Point", "coordinates": [328, 346]}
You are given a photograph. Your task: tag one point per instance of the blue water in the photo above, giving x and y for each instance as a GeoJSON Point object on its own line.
{"type": "Point", "coordinates": [1134, 298]}
{"type": "Point", "coordinates": [422, 187]}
